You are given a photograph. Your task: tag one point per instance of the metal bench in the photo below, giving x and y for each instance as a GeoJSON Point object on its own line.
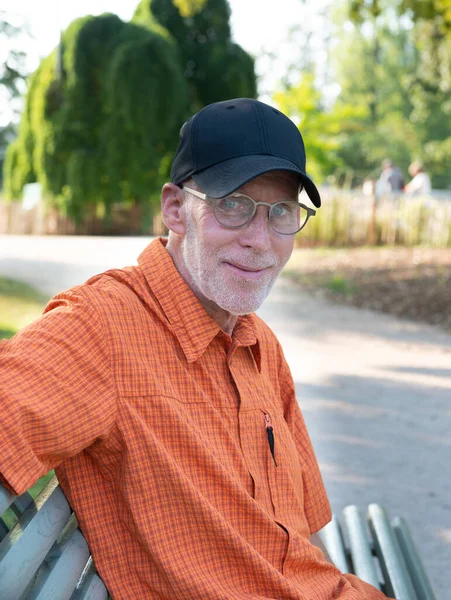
{"type": "Point", "coordinates": [379, 551]}
{"type": "Point", "coordinates": [44, 556]}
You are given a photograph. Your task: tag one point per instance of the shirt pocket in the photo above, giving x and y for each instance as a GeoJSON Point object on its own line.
{"type": "Point", "coordinates": [284, 471]}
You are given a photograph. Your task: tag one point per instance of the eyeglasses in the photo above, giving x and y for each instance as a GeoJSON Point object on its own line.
{"type": "Point", "coordinates": [235, 210]}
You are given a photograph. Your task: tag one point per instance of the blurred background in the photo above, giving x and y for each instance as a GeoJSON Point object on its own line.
{"type": "Point", "coordinates": [93, 93]}
{"type": "Point", "coordinates": [91, 105]}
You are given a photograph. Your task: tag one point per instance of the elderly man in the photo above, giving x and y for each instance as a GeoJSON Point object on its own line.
{"type": "Point", "coordinates": [166, 406]}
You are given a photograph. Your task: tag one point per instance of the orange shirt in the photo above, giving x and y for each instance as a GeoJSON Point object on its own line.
{"type": "Point", "coordinates": [158, 424]}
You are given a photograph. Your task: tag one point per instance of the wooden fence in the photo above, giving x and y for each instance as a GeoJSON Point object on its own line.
{"type": "Point", "coordinates": [15, 219]}
{"type": "Point", "coordinates": [345, 219]}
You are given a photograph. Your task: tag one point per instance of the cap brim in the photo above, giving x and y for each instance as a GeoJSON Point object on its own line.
{"type": "Point", "coordinates": [226, 177]}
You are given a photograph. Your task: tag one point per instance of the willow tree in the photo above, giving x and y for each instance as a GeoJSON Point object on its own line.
{"type": "Point", "coordinates": [12, 76]}
{"type": "Point", "coordinates": [214, 67]}
{"type": "Point", "coordinates": [102, 113]}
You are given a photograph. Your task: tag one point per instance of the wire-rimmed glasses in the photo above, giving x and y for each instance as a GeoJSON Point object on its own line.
{"type": "Point", "coordinates": [236, 210]}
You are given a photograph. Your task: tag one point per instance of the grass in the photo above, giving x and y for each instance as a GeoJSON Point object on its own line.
{"type": "Point", "coordinates": [9, 517]}
{"type": "Point", "coordinates": [340, 285]}
{"type": "Point", "coordinates": [19, 305]}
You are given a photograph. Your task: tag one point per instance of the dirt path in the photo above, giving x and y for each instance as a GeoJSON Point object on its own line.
{"type": "Point", "coordinates": [412, 283]}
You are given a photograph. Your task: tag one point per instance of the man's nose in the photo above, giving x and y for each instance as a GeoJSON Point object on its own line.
{"type": "Point", "coordinates": [257, 233]}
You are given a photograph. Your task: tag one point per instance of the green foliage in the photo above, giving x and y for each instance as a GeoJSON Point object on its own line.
{"type": "Point", "coordinates": [324, 131]}
{"type": "Point", "coordinates": [13, 74]}
{"type": "Point", "coordinates": [338, 284]}
{"type": "Point", "coordinates": [214, 67]}
{"type": "Point", "coordinates": [103, 112]}
{"type": "Point", "coordinates": [376, 87]}
{"type": "Point", "coordinates": [398, 74]}
{"type": "Point", "coordinates": [438, 11]}
{"type": "Point", "coordinates": [147, 130]}
{"type": "Point", "coordinates": [189, 8]}
{"type": "Point", "coordinates": [19, 305]}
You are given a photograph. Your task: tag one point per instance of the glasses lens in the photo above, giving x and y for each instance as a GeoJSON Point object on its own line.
{"type": "Point", "coordinates": [234, 211]}
{"type": "Point", "coordinates": [287, 217]}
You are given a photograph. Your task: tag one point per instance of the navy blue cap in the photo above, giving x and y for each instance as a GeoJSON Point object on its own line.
{"type": "Point", "coordinates": [227, 144]}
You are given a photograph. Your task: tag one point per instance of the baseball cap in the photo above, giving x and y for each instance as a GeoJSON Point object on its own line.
{"type": "Point", "coordinates": [226, 144]}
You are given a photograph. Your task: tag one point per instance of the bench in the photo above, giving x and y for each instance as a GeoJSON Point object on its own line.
{"type": "Point", "coordinates": [378, 551]}
{"type": "Point", "coordinates": [44, 556]}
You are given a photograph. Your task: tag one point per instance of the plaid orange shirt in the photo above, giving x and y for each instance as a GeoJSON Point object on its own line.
{"type": "Point", "coordinates": [159, 426]}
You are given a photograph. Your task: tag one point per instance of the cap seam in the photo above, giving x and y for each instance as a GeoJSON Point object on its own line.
{"type": "Point", "coordinates": [194, 137]}
{"type": "Point", "coordinates": [263, 131]}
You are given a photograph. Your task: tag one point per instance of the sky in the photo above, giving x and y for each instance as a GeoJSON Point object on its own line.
{"type": "Point", "coordinates": [259, 26]}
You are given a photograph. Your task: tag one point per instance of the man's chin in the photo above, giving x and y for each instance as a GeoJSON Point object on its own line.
{"type": "Point", "coordinates": [239, 309]}
{"type": "Point", "coordinates": [238, 300]}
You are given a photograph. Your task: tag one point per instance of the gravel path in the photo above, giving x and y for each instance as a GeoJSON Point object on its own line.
{"type": "Point", "coordinates": [375, 390]}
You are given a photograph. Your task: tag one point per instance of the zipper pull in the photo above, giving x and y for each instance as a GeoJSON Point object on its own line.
{"type": "Point", "coordinates": [270, 433]}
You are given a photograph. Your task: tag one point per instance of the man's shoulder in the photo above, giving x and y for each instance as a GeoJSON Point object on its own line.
{"type": "Point", "coordinates": [111, 290]}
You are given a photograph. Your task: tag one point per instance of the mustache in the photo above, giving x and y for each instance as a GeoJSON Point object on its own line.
{"type": "Point", "coordinates": [249, 261]}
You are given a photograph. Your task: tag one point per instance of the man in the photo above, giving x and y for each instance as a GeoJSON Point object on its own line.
{"type": "Point", "coordinates": [420, 184]}
{"type": "Point", "coordinates": [391, 180]}
{"type": "Point", "coordinates": [166, 406]}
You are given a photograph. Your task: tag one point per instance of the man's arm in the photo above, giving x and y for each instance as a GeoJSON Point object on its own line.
{"type": "Point", "coordinates": [56, 390]}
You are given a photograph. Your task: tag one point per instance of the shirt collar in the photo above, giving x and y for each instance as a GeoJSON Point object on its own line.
{"type": "Point", "coordinates": [191, 324]}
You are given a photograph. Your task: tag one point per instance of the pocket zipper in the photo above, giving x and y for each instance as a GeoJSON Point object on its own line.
{"type": "Point", "coordinates": [270, 434]}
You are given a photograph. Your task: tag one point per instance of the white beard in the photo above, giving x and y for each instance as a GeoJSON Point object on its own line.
{"type": "Point", "coordinates": [217, 283]}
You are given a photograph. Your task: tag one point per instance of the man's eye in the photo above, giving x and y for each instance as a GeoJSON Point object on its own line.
{"type": "Point", "coordinates": [228, 204]}
{"type": "Point", "coordinates": [281, 209]}
{"type": "Point", "coordinates": [232, 204]}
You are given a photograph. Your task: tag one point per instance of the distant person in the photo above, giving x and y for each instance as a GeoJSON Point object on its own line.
{"type": "Point", "coordinates": [391, 180]}
{"type": "Point", "coordinates": [420, 185]}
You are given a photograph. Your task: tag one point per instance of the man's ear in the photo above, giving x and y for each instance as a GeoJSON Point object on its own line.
{"type": "Point", "coordinates": [172, 208]}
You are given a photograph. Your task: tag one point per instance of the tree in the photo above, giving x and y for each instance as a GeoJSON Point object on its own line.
{"type": "Point", "coordinates": [12, 77]}
{"type": "Point", "coordinates": [438, 11]}
{"type": "Point", "coordinates": [422, 123]}
{"type": "Point", "coordinates": [376, 89]}
{"type": "Point", "coordinates": [322, 130]}
{"type": "Point", "coordinates": [82, 127]}
{"type": "Point", "coordinates": [214, 67]}
{"type": "Point", "coordinates": [102, 114]}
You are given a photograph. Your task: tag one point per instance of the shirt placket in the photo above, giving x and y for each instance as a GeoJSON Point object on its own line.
{"type": "Point", "coordinates": [255, 426]}
{"type": "Point", "coordinates": [261, 450]}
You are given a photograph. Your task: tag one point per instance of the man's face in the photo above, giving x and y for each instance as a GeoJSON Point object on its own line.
{"type": "Point", "coordinates": [235, 268]}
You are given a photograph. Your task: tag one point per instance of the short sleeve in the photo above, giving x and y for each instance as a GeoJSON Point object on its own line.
{"type": "Point", "coordinates": [316, 503]}
{"type": "Point", "coordinates": [57, 394]}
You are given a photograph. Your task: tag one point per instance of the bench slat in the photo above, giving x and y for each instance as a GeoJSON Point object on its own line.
{"type": "Point", "coordinates": [90, 586]}
{"type": "Point", "coordinates": [62, 574]}
{"type": "Point", "coordinates": [361, 555]}
{"type": "Point", "coordinates": [6, 499]}
{"type": "Point", "coordinates": [24, 548]}
{"type": "Point", "coordinates": [332, 538]}
{"type": "Point", "coordinates": [418, 575]}
{"type": "Point", "coordinates": [393, 565]}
